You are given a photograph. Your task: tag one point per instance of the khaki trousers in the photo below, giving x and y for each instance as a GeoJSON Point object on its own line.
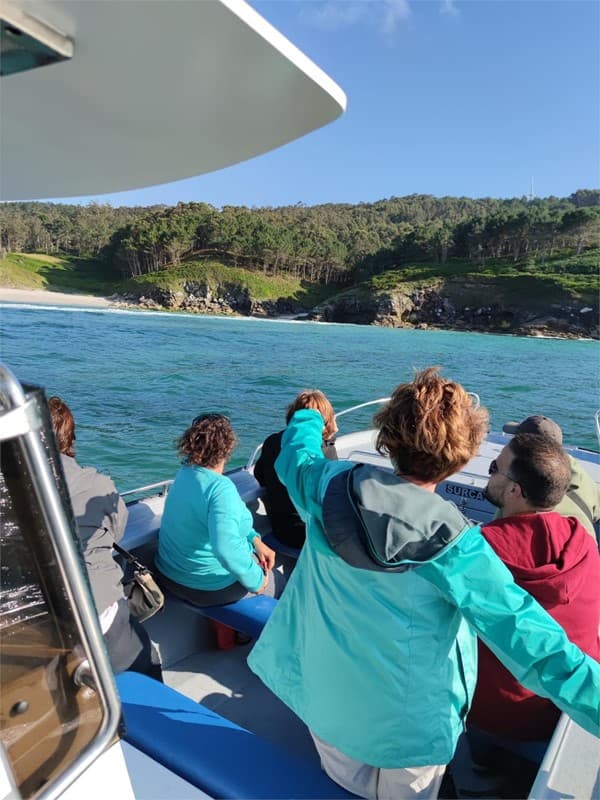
{"type": "Point", "coordinates": [416, 783]}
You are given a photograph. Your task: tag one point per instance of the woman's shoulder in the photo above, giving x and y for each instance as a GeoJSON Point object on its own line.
{"type": "Point", "coordinates": [215, 481]}
{"type": "Point", "coordinates": [194, 474]}
{"type": "Point", "coordinates": [210, 481]}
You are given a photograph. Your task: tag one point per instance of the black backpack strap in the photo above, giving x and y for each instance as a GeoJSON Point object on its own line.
{"type": "Point", "coordinates": [130, 557]}
{"type": "Point", "coordinates": [582, 505]}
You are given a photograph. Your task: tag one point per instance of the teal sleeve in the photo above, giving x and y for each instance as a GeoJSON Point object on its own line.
{"type": "Point", "coordinates": [301, 465]}
{"type": "Point", "coordinates": [229, 537]}
{"type": "Point", "coordinates": [516, 628]}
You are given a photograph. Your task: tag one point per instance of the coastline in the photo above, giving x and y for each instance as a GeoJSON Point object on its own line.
{"type": "Point", "coordinates": [46, 298]}
{"type": "Point", "coordinates": [43, 297]}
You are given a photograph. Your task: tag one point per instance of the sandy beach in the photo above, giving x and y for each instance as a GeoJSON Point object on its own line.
{"type": "Point", "coordinates": [40, 297]}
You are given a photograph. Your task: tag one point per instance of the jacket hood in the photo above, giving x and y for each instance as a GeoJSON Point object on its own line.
{"type": "Point", "coordinates": [548, 554]}
{"type": "Point", "coordinates": [376, 520]}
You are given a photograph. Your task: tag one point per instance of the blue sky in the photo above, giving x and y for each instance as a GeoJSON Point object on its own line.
{"type": "Point", "coordinates": [445, 97]}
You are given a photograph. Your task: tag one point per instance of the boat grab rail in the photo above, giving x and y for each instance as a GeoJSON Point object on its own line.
{"type": "Point", "coordinates": [255, 453]}
{"type": "Point", "coordinates": [361, 405]}
{"type": "Point", "coordinates": [473, 395]}
{"type": "Point", "coordinates": [163, 486]}
{"type": "Point", "coordinates": [26, 422]}
{"type": "Point", "coordinates": [597, 421]}
{"type": "Point", "coordinates": [258, 448]}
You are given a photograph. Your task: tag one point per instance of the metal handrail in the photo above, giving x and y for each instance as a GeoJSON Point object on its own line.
{"type": "Point", "coordinates": [597, 420]}
{"type": "Point", "coordinates": [251, 461]}
{"type": "Point", "coordinates": [362, 405]}
{"type": "Point", "coordinates": [12, 397]}
{"type": "Point", "coordinates": [162, 485]}
{"type": "Point", "coordinates": [473, 395]}
{"type": "Point", "coordinates": [475, 398]}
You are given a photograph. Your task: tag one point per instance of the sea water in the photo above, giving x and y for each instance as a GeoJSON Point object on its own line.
{"type": "Point", "coordinates": [135, 380]}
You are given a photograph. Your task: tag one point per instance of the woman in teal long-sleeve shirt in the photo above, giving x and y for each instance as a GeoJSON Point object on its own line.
{"type": "Point", "coordinates": [208, 552]}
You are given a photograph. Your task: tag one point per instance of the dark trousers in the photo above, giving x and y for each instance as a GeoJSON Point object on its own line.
{"type": "Point", "coordinates": [220, 597]}
{"type": "Point", "coordinates": [129, 646]}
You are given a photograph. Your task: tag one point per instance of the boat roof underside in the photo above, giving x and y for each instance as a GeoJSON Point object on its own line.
{"type": "Point", "coordinates": [156, 91]}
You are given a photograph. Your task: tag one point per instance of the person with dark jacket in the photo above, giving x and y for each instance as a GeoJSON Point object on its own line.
{"type": "Point", "coordinates": [286, 523]}
{"type": "Point", "coordinates": [101, 516]}
{"type": "Point", "coordinates": [554, 559]}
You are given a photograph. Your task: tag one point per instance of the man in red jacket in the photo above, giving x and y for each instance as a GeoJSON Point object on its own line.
{"type": "Point", "coordinates": [556, 561]}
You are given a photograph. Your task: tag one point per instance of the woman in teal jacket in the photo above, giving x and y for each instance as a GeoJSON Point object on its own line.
{"type": "Point", "coordinates": [208, 552]}
{"type": "Point", "coordinates": [373, 643]}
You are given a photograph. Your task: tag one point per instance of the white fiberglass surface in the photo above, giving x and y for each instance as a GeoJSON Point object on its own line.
{"type": "Point", "coordinates": [235, 85]}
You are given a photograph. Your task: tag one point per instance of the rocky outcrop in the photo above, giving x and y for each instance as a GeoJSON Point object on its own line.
{"type": "Point", "coordinates": [203, 299]}
{"type": "Point", "coordinates": [450, 309]}
{"type": "Point", "coordinates": [460, 305]}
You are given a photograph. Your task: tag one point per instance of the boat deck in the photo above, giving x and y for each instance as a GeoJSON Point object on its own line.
{"type": "Point", "coordinates": [222, 681]}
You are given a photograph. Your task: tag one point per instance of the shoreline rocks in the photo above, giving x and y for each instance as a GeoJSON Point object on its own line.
{"type": "Point", "coordinates": [451, 307]}
{"type": "Point", "coordinates": [430, 308]}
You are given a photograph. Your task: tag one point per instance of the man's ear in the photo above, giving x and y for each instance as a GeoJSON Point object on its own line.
{"type": "Point", "coordinates": [517, 490]}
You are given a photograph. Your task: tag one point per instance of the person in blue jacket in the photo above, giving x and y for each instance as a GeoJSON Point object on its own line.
{"type": "Point", "coordinates": [373, 644]}
{"type": "Point", "coordinates": [208, 552]}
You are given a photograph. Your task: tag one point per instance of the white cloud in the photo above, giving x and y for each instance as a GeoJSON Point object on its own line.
{"type": "Point", "coordinates": [334, 14]}
{"type": "Point", "coordinates": [449, 8]}
{"type": "Point", "coordinates": [386, 15]}
{"type": "Point", "coordinates": [396, 11]}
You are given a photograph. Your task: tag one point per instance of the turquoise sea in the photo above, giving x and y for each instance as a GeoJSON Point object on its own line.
{"type": "Point", "coordinates": [135, 380]}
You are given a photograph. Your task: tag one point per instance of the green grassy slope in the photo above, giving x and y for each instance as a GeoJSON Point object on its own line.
{"type": "Point", "coordinates": [212, 273]}
{"type": "Point", "coordinates": [54, 273]}
{"type": "Point", "coordinates": [559, 279]}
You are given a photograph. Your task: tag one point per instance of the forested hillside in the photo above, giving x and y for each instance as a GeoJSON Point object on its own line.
{"type": "Point", "coordinates": [514, 266]}
{"type": "Point", "coordinates": [335, 245]}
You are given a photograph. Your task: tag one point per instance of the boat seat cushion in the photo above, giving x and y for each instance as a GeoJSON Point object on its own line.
{"type": "Point", "coordinates": [249, 615]}
{"type": "Point", "coordinates": [210, 752]}
{"type": "Point", "coordinates": [280, 548]}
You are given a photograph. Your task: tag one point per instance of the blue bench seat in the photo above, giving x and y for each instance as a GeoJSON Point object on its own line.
{"type": "Point", "coordinates": [212, 753]}
{"type": "Point", "coordinates": [283, 549]}
{"type": "Point", "coordinates": [249, 615]}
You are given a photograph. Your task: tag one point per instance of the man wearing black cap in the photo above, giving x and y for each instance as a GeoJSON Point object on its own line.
{"type": "Point", "coordinates": [582, 499]}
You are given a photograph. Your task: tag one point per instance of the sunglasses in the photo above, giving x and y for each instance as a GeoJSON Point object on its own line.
{"type": "Point", "coordinates": [493, 470]}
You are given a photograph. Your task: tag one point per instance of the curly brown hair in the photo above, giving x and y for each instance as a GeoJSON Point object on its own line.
{"type": "Point", "coordinates": [430, 427]}
{"type": "Point", "coordinates": [209, 440]}
{"type": "Point", "coordinates": [63, 424]}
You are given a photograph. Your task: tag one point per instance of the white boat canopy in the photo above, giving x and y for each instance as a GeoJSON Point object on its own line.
{"type": "Point", "coordinates": [155, 91]}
